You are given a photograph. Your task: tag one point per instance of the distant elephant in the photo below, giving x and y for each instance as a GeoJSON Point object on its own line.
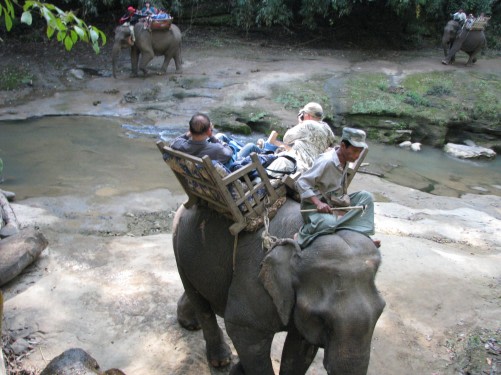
{"type": "Point", "coordinates": [455, 39]}
{"type": "Point", "coordinates": [324, 296]}
{"type": "Point", "coordinates": [147, 45]}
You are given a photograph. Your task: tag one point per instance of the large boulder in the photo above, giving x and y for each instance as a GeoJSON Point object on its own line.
{"type": "Point", "coordinates": [469, 152]}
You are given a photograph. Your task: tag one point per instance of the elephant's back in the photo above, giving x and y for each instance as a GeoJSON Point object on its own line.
{"type": "Point", "coordinates": [287, 221]}
{"type": "Point", "coordinates": [475, 40]}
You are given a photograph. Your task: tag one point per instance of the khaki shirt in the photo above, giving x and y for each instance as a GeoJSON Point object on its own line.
{"type": "Point", "coordinates": [326, 177]}
{"type": "Point", "coordinates": [308, 139]}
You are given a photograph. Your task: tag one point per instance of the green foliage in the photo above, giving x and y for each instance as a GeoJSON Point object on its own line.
{"type": "Point", "coordinates": [13, 77]}
{"type": "Point", "coordinates": [438, 90]}
{"type": "Point", "coordinates": [254, 117]}
{"type": "Point", "coordinates": [416, 100]}
{"type": "Point", "coordinates": [68, 28]}
{"type": "Point", "coordinates": [274, 12]}
{"type": "Point", "coordinates": [244, 13]}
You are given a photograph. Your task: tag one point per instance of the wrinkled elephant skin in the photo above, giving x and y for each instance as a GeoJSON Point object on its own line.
{"type": "Point", "coordinates": [146, 46]}
{"type": "Point", "coordinates": [323, 296]}
{"type": "Point", "coordinates": [455, 39]}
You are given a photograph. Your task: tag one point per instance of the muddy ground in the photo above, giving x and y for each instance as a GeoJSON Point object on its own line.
{"type": "Point", "coordinates": [108, 281]}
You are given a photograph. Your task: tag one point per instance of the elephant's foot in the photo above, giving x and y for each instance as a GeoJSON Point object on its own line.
{"type": "Point", "coordinates": [133, 75]}
{"type": "Point", "coordinates": [179, 71]}
{"type": "Point", "coordinates": [186, 315]}
{"type": "Point", "coordinates": [219, 356]}
{"type": "Point", "coordinates": [445, 62]}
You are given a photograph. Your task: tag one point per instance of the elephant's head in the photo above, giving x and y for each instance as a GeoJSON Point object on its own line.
{"type": "Point", "coordinates": [328, 290]}
{"type": "Point", "coordinates": [123, 39]}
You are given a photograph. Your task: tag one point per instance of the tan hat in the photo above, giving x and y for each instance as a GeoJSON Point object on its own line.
{"type": "Point", "coordinates": [356, 137]}
{"type": "Point", "coordinates": [313, 109]}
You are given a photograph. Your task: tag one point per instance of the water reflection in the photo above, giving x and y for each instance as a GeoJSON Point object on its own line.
{"type": "Point", "coordinates": [54, 156]}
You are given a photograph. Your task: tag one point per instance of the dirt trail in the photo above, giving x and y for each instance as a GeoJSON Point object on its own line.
{"type": "Point", "coordinates": [102, 287]}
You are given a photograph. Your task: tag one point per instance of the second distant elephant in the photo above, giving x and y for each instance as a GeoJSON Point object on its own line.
{"type": "Point", "coordinates": [455, 39]}
{"type": "Point", "coordinates": [147, 45]}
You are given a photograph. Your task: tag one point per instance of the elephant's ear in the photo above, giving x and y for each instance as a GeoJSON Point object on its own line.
{"type": "Point", "coordinates": [276, 277]}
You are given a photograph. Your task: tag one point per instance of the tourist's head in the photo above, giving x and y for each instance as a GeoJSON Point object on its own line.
{"type": "Point", "coordinates": [200, 124]}
{"type": "Point", "coordinates": [314, 110]}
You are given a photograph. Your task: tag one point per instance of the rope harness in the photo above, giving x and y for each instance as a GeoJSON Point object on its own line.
{"type": "Point", "coordinates": [269, 241]}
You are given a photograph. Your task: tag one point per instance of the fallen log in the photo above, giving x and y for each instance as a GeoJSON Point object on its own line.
{"type": "Point", "coordinates": [11, 226]}
{"type": "Point", "coordinates": [19, 251]}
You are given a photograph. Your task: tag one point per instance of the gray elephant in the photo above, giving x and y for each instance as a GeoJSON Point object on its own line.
{"type": "Point", "coordinates": [456, 38]}
{"type": "Point", "coordinates": [324, 296]}
{"type": "Point", "coordinates": [147, 45]}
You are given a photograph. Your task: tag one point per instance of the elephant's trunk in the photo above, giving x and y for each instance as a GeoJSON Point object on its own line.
{"type": "Point", "coordinates": [115, 53]}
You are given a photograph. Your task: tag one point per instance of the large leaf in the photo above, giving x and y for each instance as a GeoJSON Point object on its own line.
{"type": "Point", "coordinates": [68, 43]}
{"type": "Point", "coordinates": [8, 21]}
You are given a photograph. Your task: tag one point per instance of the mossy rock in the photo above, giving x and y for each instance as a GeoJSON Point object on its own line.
{"type": "Point", "coordinates": [243, 120]}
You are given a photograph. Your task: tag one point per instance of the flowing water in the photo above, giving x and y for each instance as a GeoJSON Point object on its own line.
{"type": "Point", "coordinates": [54, 156]}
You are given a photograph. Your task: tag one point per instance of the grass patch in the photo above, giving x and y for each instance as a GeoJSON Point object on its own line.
{"type": "Point", "coordinates": [12, 78]}
{"type": "Point", "coordinates": [436, 96]}
{"type": "Point", "coordinates": [295, 95]}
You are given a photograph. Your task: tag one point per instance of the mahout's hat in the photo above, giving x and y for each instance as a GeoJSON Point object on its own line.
{"type": "Point", "coordinates": [356, 137]}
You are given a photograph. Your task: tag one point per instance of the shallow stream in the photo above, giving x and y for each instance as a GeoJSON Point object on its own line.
{"type": "Point", "coordinates": [53, 156]}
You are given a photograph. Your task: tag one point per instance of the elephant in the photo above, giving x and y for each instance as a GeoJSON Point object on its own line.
{"type": "Point", "coordinates": [324, 296]}
{"type": "Point", "coordinates": [147, 45]}
{"type": "Point", "coordinates": [455, 39]}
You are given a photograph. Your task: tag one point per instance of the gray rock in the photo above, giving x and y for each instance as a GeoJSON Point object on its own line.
{"type": "Point", "coordinates": [9, 230]}
{"type": "Point", "coordinates": [77, 73]}
{"type": "Point", "coordinates": [20, 346]}
{"type": "Point", "coordinates": [416, 146]}
{"type": "Point", "coordinates": [468, 152]}
{"type": "Point", "coordinates": [76, 361]}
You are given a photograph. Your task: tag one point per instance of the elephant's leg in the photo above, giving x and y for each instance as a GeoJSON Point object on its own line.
{"type": "Point", "coordinates": [165, 65]}
{"type": "Point", "coordinates": [146, 57]}
{"type": "Point", "coordinates": [217, 350]}
{"type": "Point", "coordinates": [186, 314]}
{"type": "Point", "coordinates": [253, 348]}
{"type": "Point", "coordinates": [178, 62]}
{"type": "Point", "coordinates": [297, 354]}
{"type": "Point", "coordinates": [473, 57]}
{"type": "Point", "coordinates": [134, 58]}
